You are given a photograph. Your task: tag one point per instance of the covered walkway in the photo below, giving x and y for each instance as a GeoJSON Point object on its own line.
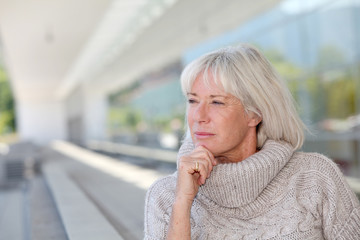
{"type": "Point", "coordinates": [76, 194]}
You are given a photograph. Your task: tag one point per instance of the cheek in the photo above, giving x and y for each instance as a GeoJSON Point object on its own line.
{"type": "Point", "coordinates": [231, 124]}
{"type": "Point", "coordinates": [189, 116]}
{"type": "Point", "coordinates": [224, 120]}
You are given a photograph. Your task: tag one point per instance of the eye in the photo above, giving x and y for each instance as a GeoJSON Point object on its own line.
{"type": "Point", "coordinates": [191, 101]}
{"type": "Point", "coordinates": [217, 102]}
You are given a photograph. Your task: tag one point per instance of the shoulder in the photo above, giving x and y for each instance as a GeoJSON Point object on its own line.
{"type": "Point", "coordinates": [315, 168]}
{"type": "Point", "coordinates": [315, 162]}
{"type": "Point", "coordinates": [321, 174]}
{"type": "Point", "coordinates": [321, 186]}
{"type": "Point", "coordinates": [158, 204]}
{"type": "Point", "coordinates": [305, 171]}
{"type": "Point", "coordinates": [162, 191]}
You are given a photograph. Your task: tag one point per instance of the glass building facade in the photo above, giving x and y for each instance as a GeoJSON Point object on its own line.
{"type": "Point", "coordinates": [315, 47]}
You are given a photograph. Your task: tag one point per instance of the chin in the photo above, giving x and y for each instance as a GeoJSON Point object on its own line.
{"type": "Point", "coordinates": [209, 147]}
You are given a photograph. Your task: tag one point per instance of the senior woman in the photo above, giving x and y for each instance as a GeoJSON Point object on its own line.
{"type": "Point", "coordinates": [239, 173]}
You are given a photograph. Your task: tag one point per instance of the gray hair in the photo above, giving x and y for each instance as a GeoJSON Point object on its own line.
{"type": "Point", "coordinates": [246, 74]}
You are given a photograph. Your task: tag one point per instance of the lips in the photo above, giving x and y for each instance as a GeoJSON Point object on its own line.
{"type": "Point", "coordinates": [202, 135]}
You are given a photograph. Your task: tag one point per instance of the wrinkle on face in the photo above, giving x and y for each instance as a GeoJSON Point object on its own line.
{"type": "Point", "coordinates": [213, 110]}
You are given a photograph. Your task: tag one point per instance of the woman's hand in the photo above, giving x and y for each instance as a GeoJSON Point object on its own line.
{"type": "Point", "coordinates": [193, 170]}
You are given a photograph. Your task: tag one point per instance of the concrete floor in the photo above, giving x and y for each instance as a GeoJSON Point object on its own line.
{"type": "Point", "coordinates": [27, 211]}
{"type": "Point", "coordinates": [33, 209]}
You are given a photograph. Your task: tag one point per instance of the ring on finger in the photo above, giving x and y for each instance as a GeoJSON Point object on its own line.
{"type": "Point", "coordinates": [196, 166]}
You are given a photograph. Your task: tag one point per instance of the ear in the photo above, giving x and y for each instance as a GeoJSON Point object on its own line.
{"type": "Point", "coordinates": [254, 119]}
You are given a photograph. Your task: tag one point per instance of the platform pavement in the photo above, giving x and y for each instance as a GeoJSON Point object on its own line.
{"type": "Point", "coordinates": [79, 195]}
{"type": "Point", "coordinates": [11, 217]}
{"type": "Point", "coordinates": [27, 212]}
{"type": "Point", "coordinates": [117, 189]}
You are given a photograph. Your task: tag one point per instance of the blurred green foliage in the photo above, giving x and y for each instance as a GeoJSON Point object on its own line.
{"type": "Point", "coordinates": [340, 97]}
{"type": "Point", "coordinates": [7, 112]}
{"type": "Point", "coordinates": [147, 107]}
{"type": "Point", "coordinates": [330, 85]}
{"type": "Point", "coordinates": [288, 71]}
{"type": "Point", "coordinates": [124, 118]}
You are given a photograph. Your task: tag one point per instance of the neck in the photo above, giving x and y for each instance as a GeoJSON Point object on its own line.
{"type": "Point", "coordinates": [239, 184]}
{"type": "Point", "coordinates": [247, 148]}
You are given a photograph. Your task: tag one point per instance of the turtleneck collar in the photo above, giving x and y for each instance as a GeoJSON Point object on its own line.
{"type": "Point", "coordinates": [238, 184]}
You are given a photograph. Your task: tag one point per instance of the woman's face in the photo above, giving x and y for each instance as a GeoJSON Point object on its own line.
{"type": "Point", "coordinates": [217, 121]}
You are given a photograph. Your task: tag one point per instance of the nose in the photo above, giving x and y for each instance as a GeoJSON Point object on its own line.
{"type": "Point", "coordinates": [201, 113]}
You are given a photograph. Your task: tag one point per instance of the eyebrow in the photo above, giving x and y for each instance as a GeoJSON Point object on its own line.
{"type": "Point", "coordinates": [211, 96]}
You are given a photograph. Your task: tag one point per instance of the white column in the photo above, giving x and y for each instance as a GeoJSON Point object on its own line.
{"type": "Point", "coordinates": [41, 121]}
{"type": "Point", "coordinates": [95, 114]}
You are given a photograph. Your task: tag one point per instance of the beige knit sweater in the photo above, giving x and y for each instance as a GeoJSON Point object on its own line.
{"type": "Point", "coordinates": [273, 194]}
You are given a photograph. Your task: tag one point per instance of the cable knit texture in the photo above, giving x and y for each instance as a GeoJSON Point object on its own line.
{"type": "Point", "coordinates": [273, 194]}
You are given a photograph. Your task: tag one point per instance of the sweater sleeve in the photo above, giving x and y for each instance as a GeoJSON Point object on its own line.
{"type": "Point", "coordinates": [158, 203]}
{"type": "Point", "coordinates": [351, 227]}
{"type": "Point", "coordinates": [341, 210]}
{"type": "Point", "coordinates": [159, 200]}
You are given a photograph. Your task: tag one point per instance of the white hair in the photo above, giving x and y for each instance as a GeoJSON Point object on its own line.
{"type": "Point", "coordinates": [246, 74]}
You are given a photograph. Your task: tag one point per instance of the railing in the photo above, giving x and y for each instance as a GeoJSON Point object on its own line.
{"type": "Point", "coordinates": [132, 150]}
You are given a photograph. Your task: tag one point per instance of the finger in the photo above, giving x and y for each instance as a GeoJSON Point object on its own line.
{"type": "Point", "coordinates": [211, 160]}
{"type": "Point", "coordinates": [198, 166]}
{"type": "Point", "coordinates": [193, 167]}
{"type": "Point", "coordinates": [203, 171]}
{"type": "Point", "coordinates": [203, 157]}
{"type": "Point", "coordinates": [202, 152]}
{"type": "Point", "coordinates": [204, 176]}
{"type": "Point", "coordinates": [209, 154]}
